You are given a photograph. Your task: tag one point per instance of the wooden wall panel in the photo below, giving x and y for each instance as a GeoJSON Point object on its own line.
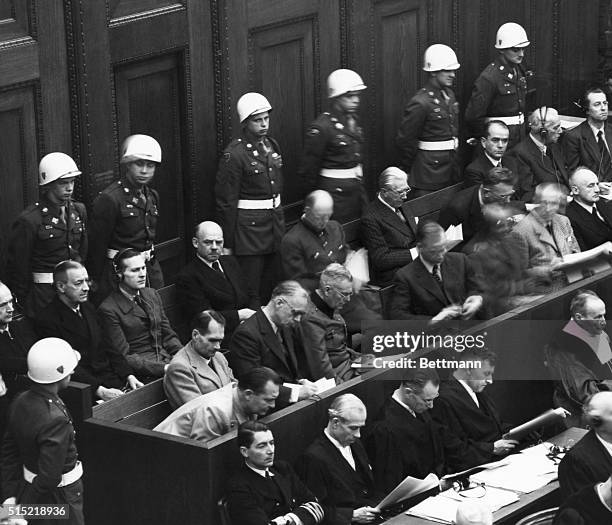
{"type": "Point", "coordinates": [124, 9]}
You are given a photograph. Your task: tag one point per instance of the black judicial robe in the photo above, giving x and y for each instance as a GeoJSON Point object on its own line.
{"type": "Point", "coordinates": [338, 487]}
{"type": "Point", "coordinates": [401, 444]}
{"type": "Point", "coordinates": [583, 508]}
{"type": "Point", "coordinates": [473, 429]}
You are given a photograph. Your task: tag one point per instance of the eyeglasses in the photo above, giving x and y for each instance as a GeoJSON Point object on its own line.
{"type": "Point", "coordinates": [466, 489]}
{"type": "Point", "coordinates": [401, 193]}
{"type": "Point", "coordinates": [294, 312]}
{"type": "Point", "coordinates": [499, 198]}
{"type": "Point", "coordinates": [344, 295]}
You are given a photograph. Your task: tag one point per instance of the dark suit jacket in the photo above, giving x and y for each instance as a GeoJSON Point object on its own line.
{"type": "Point", "coordinates": [535, 168]}
{"type": "Point", "coordinates": [417, 295]}
{"type": "Point", "coordinates": [588, 230]}
{"type": "Point", "coordinates": [401, 445]}
{"type": "Point", "coordinates": [581, 149]}
{"type": "Point", "coordinates": [583, 508]}
{"type": "Point", "coordinates": [13, 355]}
{"type": "Point", "coordinates": [473, 429]}
{"type": "Point", "coordinates": [254, 343]}
{"type": "Point", "coordinates": [475, 171]}
{"type": "Point", "coordinates": [145, 338]}
{"type": "Point", "coordinates": [388, 240]}
{"type": "Point", "coordinates": [586, 464]}
{"type": "Point", "coordinates": [99, 364]}
{"type": "Point", "coordinates": [339, 488]}
{"type": "Point", "coordinates": [255, 500]}
{"type": "Point", "coordinates": [199, 287]}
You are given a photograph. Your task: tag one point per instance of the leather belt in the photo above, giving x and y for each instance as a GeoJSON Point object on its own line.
{"type": "Point", "coordinates": [348, 173]}
{"type": "Point", "coordinates": [514, 120]}
{"type": "Point", "coordinates": [147, 254]}
{"type": "Point", "coordinates": [440, 145]}
{"type": "Point", "coordinates": [67, 478]}
{"type": "Point", "coordinates": [42, 277]}
{"type": "Point", "coordinates": [259, 204]}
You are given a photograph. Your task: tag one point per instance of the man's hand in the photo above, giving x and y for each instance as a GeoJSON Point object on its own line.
{"type": "Point", "coordinates": [365, 514]}
{"type": "Point", "coordinates": [106, 394]}
{"type": "Point", "coordinates": [450, 312]}
{"type": "Point", "coordinates": [307, 389]}
{"type": "Point", "coordinates": [471, 305]}
{"type": "Point", "coordinates": [245, 313]}
{"type": "Point", "coordinates": [133, 382]}
{"type": "Point", "coordinates": [503, 446]}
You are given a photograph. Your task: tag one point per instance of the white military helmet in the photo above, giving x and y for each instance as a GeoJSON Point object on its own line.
{"type": "Point", "coordinates": [439, 57]}
{"type": "Point", "coordinates": [51, 360]}
{"type": "Point", "coordinates": [56, 165]}
{"type": "Point", "coordinates": [343, 81]}
{"type": "Point", "coordinates": [511, 34]}
{"type": "Point", "coordinates": [251, 104]}
{"type": "Point", "coordinates": [140, 147]}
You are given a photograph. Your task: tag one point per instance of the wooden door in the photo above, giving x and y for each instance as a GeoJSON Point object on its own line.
{"type": "Point", "coordinates": [34, 101]}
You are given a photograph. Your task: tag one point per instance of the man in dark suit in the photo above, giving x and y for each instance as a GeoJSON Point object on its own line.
{"type": "Point", "coordinates": [589, 143]}
{"type": "Point", "coordinates": [266, 491]}
{"type": "Point", "coordinates": [70, 316]}
{"type": "Point", "coordinates": [469, 415]}
{"type": "Point", "coordinates": [133, 319]}
{"type": "Point", "coordinates": [336, 467]}
{"type": "Point", "coordinates": [437, 285]}
{"type": "Point", "coordinates": [591, 217]}
{"type": "Point", "coordinates": [388, 232]}
{"type": "Point", "coordinates": [538, 156]}
{"type": "Point", "coordinates": [267, 339]}
{"type": "Point", "coordinates": [406, 441]}
{"type": "Point", "coordinates": [579, 356]}
{"type": "Point", "coordinates": [198, 367]}
{"type": "Point", "coordinates": [465, 208]}
{"type": "Point", "coordinates": [494, 143]}
{"type": "Point", "coordinates": [213, 281]}
{"type": "Point", "coordinates": [590, 460]}
{"type": "Point", "coordinates": [591, 505]}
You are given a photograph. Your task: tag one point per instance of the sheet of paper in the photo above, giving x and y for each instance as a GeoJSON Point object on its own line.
{"type": "Point", "coordinates": [409, 487]}
{"type": "Point", "coordinates": [324, 384]}
{"type": "Point", "coordinates": [547, 418]}
{"type": "Point", "coordinates": [414, 253]}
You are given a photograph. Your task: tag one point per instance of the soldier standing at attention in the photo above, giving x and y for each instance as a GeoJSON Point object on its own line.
{"type": "Point", "coordinates": [39, 454]}
{"type": "Point", "coordinates": [125, 215]}
{"type": "Point", "coordinates": [248, 197]}
{"type": "Point", "coordinates": [333, 148]}
{"type": "Point", "coordinates": [47, 232]}
{"type": "Point", "coordinates": [499, 92]}
{"type": "Point", "coordinates": [427, 137]}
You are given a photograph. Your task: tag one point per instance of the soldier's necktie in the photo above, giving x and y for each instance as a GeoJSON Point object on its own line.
{"type": "Point", "coordinates": [217, 267]}
{"type": "Point", "coordinates": [142, 198]}
{"type": "Point", "coordinates": [437, 274]}
{"type": "Point", "coordinates": [603, 150]}
{"type": "Point", "coordinates": [263, 148]}
{"type": "Point", "coordinates": [62, 211]}
{"type": "Point", "coordinates": [351, 122]}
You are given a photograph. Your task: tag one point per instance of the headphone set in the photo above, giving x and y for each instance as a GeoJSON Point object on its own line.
{"type": "Point", "coordinates": [543, 131]}
{"type": "Point", "coordinates": [115, 263]}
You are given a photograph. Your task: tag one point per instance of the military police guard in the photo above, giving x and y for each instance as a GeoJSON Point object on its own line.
{"type": "Point", "coordinates": [46, 233]}
{"type": "Point", "coordinates": [428, 135]}
{"type": "Point", "coordinates": [248, 196]}
{"type": "Point", "coordinates": [125, 215]}
{"type": "Point", "coordinates": [500, 91]}
{"type": "Point", "coordinates": [333, 148]}
{"type": "Point", "coordinates": [39, 456]}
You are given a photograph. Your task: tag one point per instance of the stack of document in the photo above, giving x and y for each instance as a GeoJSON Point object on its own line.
{"type": "Point", "coordinates": [443, 507]}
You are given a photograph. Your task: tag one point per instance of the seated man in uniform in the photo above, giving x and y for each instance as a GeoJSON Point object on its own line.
{"type": "Point", "coordinates": [591, 505]}
{"type": "Point", "coordinates": [590, 461]}
{"type": "Point", "coordinates": [267, 339]}
{"type": "Point", "coordinates": [387, 231]}
{"type": "Point", "coordinates": [544, 236]}
{"type": "Point", "coordinates": [591, 217]}
{"type": "Point", "coordinates": [198, 367]}
{"type": "Point", "coordinates": [336, 468]}
{"type": "Point", "coordinates": [406, 441]}
{"type": "Point", "coordinates": [214, 281]}
{"type": "Point", "coordinates": [579, 356]}
{"type": "Point", "coordinates": [437, 285]}
{"type": "Point", "coordinates": [539, 158]}
{"type": "Point", "coordinates": [216, 413]}
{"type": "Point", "coordinates": [469, 415]}
{"type": "Point", "coordinates": [323, 328]}
{"type": "Point", "coordinates": [73, 318]}
{"type": "Point", "coordinates": [267, 491]}
{"type": "Point", "coordinates": [134, 320]}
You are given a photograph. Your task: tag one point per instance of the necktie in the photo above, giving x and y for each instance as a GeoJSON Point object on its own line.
{"type": "Point", "coordinates": [142, 198]}
{"type": "Point", "coordinates": [351, 122]}
{"type": "Point", "coordinates": [7, 333]}
{"type": "Point", "coordinates": [263, 148]}
{"type": "Point", "coordinates": [603, 150]}
{"type": "Point", "coordinates": [211, 364]}
{"type": "Point", "coordinates": [437, 274]}
{"type": "Point", "coordinates": [217, 267]}
{"type": "Point", "coordinates": [78, 312]}
{"type": "Point", "coordinates": [62, 211]}
{"type": "Point", "coordinates": [399, 213]}
{"type": "Point", "coordinates": [596, 215]}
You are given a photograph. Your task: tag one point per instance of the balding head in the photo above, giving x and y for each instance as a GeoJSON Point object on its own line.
{"type": "Point", "coordinates": [6, 305]}
{"type": "Point", "coordinates": [393, 186]}
{"type": "Point", "coordinates": [208, 241]}
{"type": "Point", "coordinates": [584, 186]}
{"type": "Point", "coordinates": [589, 312]}
{"type": "Point", "coordinates": [545, 125]}
{"type": "Point", "coordinates": [318, 208]}
{"type": "Point", "coordinates": [347, 415]}
{"type": "Point", "coordinates": [548, 197]}
{"type": "Point", "coordinates": [598, 414]}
